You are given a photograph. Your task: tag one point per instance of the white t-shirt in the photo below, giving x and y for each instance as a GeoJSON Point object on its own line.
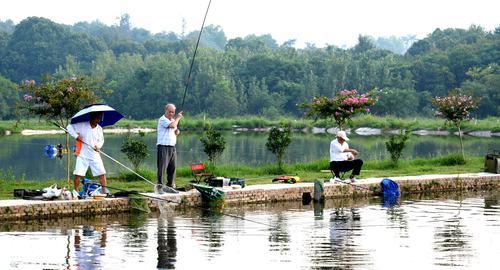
{"type": "Point", "coordinates": [337, 151]}
{"type": "Point", "coordinates": [166, 135]}
{"type": "Point", "coordinates": [91, 136]}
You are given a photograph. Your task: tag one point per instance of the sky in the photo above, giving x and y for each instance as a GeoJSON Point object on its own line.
{"type": "Point", "coordinates": [318, 22]}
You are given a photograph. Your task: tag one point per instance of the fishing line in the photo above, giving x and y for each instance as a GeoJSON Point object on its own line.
{"type": "Point", "coordinates": [192, 206]}
{"type": "Point", "coordinates": [349, 183]}
{"type": "Point", "coordinates": [194, 56]}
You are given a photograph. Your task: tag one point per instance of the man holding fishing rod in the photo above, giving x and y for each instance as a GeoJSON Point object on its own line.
{"type": "Point", "coordinates": [89, 141]}
{"type": "Point", "coordinates": [166, 154]}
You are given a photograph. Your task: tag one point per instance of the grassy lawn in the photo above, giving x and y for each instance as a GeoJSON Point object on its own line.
{"type": "Point", "coordinates": [308, 172]}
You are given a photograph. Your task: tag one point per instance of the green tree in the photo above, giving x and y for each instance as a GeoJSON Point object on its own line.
{"type": "Point", "coordinates": [136, 150]}
{"type": "Point", "coordinates": [213, 143]}
{"type": "Point", "coordinates": [278, 141]}
{"type": "Point", "coordinates": [8, 98]}
{"type": "Point", "coordinates": [455, 108]}
{"type": "Point", "coordinates": [58, 101]}
{"type": "Point", "coordinates": [396, 144]}
{"type": "Point", "coordinates": [341, 108]}
{"type": "Point", "coordinates": [396, 102]}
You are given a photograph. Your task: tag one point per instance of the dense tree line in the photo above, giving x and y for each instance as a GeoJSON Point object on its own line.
{"type": "Point", "coordinates": [253, 75]}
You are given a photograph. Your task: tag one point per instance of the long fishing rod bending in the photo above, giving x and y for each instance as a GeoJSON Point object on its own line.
{"type": "Point", "coordinates": [188, 79]}
{"type": "Point", "coordinates": [108, 156]}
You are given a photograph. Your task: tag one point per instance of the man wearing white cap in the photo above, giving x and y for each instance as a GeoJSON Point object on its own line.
{"type": "Point", "coordinates": [342, 158]}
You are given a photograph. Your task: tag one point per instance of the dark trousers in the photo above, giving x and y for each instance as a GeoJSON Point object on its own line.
{"type": "Point", "coordinates": [346, 165]}
{"type": "Point", "coordinates": [165, 161]}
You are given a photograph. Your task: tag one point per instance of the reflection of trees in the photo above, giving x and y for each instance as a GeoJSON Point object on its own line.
{"type": "Point", "coordinates": [451, 243]}
{"type": "Point", "coordinates": [279, 237]}
{"type": "Point", "coordinates": [136, 235]}
{"type": "Point", "coordinates": [167, 242]}
{"type": "Point", "coordinates": [213, 230]}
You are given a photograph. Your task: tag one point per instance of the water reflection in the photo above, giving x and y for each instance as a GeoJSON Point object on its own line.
{"type": "Point", "coordinates": [167, 242]}
{"type": "Point", "coordinates": [89, 247]}
{"type": "Point", "coordinates": [446, 231]}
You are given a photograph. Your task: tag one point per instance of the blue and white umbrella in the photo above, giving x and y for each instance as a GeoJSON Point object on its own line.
{"type": "Point", "coordinates": [109, 115]}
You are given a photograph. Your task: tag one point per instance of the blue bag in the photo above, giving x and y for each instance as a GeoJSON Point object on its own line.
{"type": "Point", "coordinates": [88, 188]}
{"type": "Point", "coordinates": [390, 192]}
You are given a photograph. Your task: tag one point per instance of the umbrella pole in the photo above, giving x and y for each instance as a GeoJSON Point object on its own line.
{"type": "Point", "coordinates": [67, 158]}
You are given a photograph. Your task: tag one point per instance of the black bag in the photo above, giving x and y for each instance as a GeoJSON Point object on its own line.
{"type": "Point", "coordinates": [28, 194]}
{"type": "Point", "coordinates": [492, 162]}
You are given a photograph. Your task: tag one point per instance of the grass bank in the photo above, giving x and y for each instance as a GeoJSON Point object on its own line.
{"type": "Point", "coordinates": [252, 122]}
{"type": "Point", "coordinates": [308, 172]}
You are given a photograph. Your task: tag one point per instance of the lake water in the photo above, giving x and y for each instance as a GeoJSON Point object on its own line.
{"type": "Point", "coordinates": [449, 231]}
{"type": "Point", "coordinates": [22, 156]}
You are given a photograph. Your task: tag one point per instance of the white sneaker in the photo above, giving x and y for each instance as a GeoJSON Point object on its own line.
{"type": "Point", "coordinates": [335, 179]}
{"type": "Point", "coordinates": [159, 189]}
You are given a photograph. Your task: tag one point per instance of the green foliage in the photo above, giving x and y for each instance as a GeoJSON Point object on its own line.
{"type": "Point", "coordinates": [396, 144]}
{"type": "Point", "coordinates": [278, 141]}
{"type": "Point", "coordinates": [342, 107]}
{"type": "Point", "coordinates": [451, 160]}
{"type": "Point", "coordinates": [57, 100]}
{"type": "Point", "coordinates": [252, 75]}
{"type": "Point", "coordinates": [136, 150]}
{"type": "Point", "coordinates": [8, 98]}
{"type": "Point", "coordinates": [127, 176]}
{"type": "Point", "coordinates": [396, 102]}
{"type": "Point", "coordinates": [455, 108]}
{"type": "Point", "coordinates": [213, 143]}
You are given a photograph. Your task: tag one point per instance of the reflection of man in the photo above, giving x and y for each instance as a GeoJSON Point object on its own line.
{"type": "Point", "coordinates": [90, 249]}
{"type": "Point", "coordinates": [89, 141]}
{"type": "Point", "coordinates": [166, 154]}
{"type": "Point", "coordinates": [342, 158]}
{"type": "Point", "coordinates": [167, 244]}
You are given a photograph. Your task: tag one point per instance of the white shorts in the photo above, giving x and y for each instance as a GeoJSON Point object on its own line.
{"type": "Point", "coordinates": [82, 165]}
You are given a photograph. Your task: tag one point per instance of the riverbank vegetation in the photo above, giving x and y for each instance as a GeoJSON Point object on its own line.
{"type": "Point", "coordinates": [308, 172]}
{"type": "Point", "coordinates": [254, 122]}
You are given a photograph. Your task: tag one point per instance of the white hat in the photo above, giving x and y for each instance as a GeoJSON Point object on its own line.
{"type": "Point", "coordinates": [341, 134]}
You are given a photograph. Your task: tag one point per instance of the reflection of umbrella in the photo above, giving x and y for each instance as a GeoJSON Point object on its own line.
{"type": "Point", "coordinates": [110, 116]}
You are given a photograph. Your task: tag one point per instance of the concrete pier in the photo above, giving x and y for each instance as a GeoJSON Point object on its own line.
{"type": "Point", "coordinates": [27, 209]}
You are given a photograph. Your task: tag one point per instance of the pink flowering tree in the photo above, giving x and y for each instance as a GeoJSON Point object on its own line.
{"type": "Point", "coordinates": [342, 107]}
{"type": "Point", "coordinates": [456, 109]}
{"type": "Point", "coordinates": [57, 101]}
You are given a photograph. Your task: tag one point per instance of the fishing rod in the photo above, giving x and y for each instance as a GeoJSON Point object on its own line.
{"type": "Point", "coordinates": [108, 156]}
{"type": "Point", "coordinates": [188, 79]}
{"type": "Point", "coordinates": [349, 183]}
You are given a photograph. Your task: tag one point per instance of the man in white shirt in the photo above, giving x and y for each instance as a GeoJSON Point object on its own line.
{"type": "Point", "coordinates": [343, 158]}
{"type": "Point", "coordinates": [89, 141]}
{"type": "Point", "coordinates": [166, 154]}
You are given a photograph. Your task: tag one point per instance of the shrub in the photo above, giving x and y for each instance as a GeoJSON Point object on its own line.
{"type": "Point", "coordinates": [136, 150]}
{"type": "Point", "coordinates": [213, 143]}
{"type": "Point", "coordinates": [396, 144]}
{"type": "Point", "coordinates": [278, 141]}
